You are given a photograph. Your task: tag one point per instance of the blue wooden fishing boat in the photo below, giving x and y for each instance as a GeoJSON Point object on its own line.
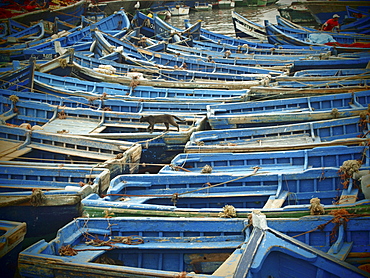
{"type": "Point", "coordinates": [35, 193]}
{"type": "Point", "coordinates": [21, 144]}
{"type": "Point", "coordinates": [159, 247]}
{"type": "Point", "coordinates": [11, 238]}
{"type": "Point", "coordinates": [359, 62]}
{"type": "Point", "coordinates": [71, 167]}
{"type": "Point", "coordinates": [357, 21]}
{"type": "Point", "coordinates": [279, 161]}
{"type": "Point", "coordinates": [16, 51]}
{"type": "Point", "coordinates": [353, 27]}
{"type": "Point", "coordinates": [69, 86]}
{"type": "Point", "coordinates": [10, 26]}
{"type": "Point", "coordinates": [344, 131]}
{"type": "Point", "coordinates": [33, 33]}
{"type": "Point", "coordinates": [342, 43]}
{"type": "Point", "coordinates": [290, 110]}
{"type": "Point", "coordinates": [116, 24]}
{"type": "Point", "coordinates": [158, 146]}
{"type": "Point", "coordinates": [141, 93]}
{"type": "Point", "coordinates": [263, 61]}
{"type": "Point", "coordinates": [110, 103]}
{"type": "Point", "coordinates": [156, 247]}
{"type": "Point", "coordinates": [277, 194]}
{"type": "Point", "coordinates": [80, 179]}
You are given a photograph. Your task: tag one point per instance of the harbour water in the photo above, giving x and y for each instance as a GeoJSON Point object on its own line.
{"type": "Point", "coordinates": [220, 21]}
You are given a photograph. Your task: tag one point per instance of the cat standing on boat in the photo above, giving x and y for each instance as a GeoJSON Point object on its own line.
{"type": "Point", "coordinates": [165, 118]}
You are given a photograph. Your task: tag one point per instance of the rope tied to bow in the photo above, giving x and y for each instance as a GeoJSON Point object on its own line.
{"type": "Point", "coordinates": [37, 197]}
{"type": "Point", "coordinates": [228, 212]}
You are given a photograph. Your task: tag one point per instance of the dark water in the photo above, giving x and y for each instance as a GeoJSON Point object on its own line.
{"type": "Point", "coordinates": [220, 21]}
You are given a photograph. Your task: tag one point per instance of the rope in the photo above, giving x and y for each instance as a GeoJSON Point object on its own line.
{"type": "Point", "coordinates": [37, 197]}
{"type": "Point", "coordinates": [129, 240]}
{"type": "Point", "coordinates": [341, 216]}
{"type": "Point", "coordinates": [207, 169]}
{"type": "Point", "coordinates": [228, 212]}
